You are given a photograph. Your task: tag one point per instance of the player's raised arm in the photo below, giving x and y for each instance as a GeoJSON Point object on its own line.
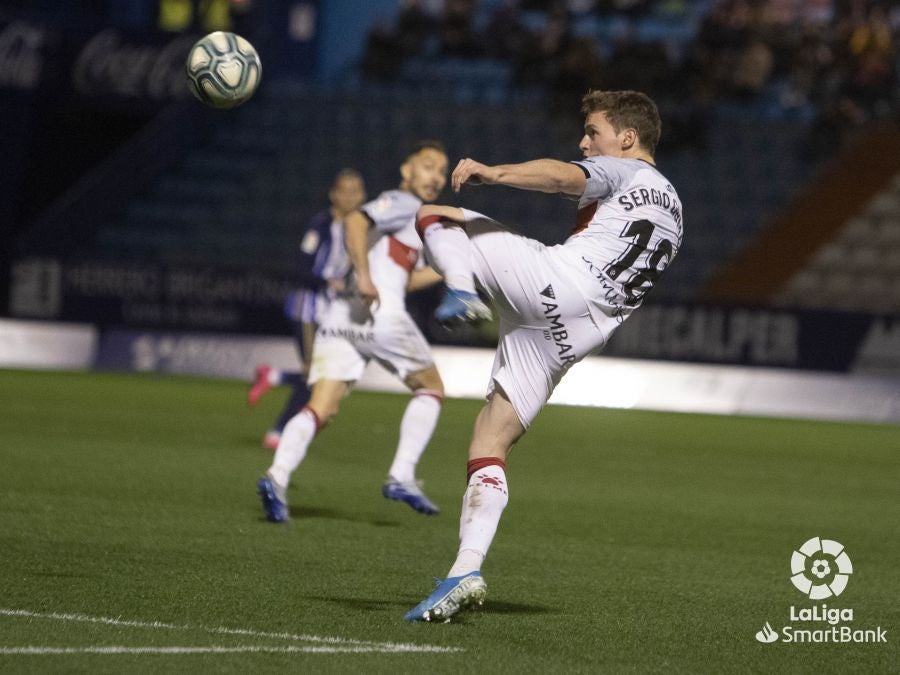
{"type": "Point", "coordinates": [540, 175]}
{"type": "Point", "coordinates": [356, 230]}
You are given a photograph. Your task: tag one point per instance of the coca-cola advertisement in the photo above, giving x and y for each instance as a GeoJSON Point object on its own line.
{"type": "Point", "coordinates": [70, 95]}
{"type": "Point", "coordinates": [111, 63]}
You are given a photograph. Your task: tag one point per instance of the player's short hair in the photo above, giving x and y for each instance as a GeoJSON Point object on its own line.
{"type": "Point", "coordinates": [627, 110]}
{"type": "Point", "coordinates": [347, 173]}
{"type": "Point", "coordinates": [427, 144]}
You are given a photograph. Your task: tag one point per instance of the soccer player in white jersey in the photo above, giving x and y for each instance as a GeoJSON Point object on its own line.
{"type": "Point", "coordinates": [556, 304]}
{"type": "Point", "coordinates": [384, 249]}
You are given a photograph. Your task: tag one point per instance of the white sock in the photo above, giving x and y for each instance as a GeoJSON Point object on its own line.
{"type": "Point", "coordinates": [274, 377]}
{"type": "Point", "coordinates": [449, 251]}
{"type": "Point", "coordinates": [416, 428]}
{"type": "Point", "coordinates": [467, 561]}
{"type": "Point", "coordinates": [483, 504]}
{"type": "Point", "coordinates": [295, 439]}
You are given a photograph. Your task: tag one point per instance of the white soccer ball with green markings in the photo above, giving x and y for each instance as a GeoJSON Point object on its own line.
{"type": "Point", "coordinates": [223, 69]}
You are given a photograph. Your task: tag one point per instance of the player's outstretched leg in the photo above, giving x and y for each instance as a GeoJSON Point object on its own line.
{"type": "Point", "coordinates": [450, 596]}
{"type": "Point", "coordinates": [449, 250]}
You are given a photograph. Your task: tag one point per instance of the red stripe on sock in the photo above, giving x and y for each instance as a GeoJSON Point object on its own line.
{"type": "Point", "coordinates": [424, 223]}
{"type": "Point", "coordinates": [474, 465]}
{"type": "Point", "coordinates": [429, 392]}
{"type": "Point", "coordinates": [315, 417]}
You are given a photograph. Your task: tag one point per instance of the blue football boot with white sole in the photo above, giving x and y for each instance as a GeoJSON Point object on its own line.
{"type": "Point", "coordinates": [461, 307]}
{"type": "Point", "coordinates": [451, 595]}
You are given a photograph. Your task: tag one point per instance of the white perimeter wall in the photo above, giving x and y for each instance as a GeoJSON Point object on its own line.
{"type": "Point", "coordinates": [34, 344]}
{"type": "Point", "coordinates": [596, 381]}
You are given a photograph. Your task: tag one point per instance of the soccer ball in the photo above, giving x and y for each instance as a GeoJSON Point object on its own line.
{"type": "Point", "coordinates": [223, 69]}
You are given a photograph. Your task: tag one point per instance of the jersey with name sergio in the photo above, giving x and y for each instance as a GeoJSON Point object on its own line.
{"type": "Point", "coordinates": [394, 245]}
{"type": "Point", "coordinates": [628, 230]}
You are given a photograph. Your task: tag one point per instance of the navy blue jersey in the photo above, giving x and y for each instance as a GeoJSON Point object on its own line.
{"type": "Point", "coordinates": [321, 256]}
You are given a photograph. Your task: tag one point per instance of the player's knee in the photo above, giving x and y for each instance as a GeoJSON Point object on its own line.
{"type": "Point", "coordinates": [325, 410]}
{"type": "Point", "coordinates": [324, 414]}
{"type": "Point", "coordinates": [434, 389]}
{"type": "Point", "coordinates": [326, 399]}
{"type": "Point", "coordinates": [426, 381]}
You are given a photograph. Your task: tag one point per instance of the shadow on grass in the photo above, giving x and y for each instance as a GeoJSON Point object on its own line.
{"type": "Point", "coordinates": [490, 607]}
{"type": "Point", "coordinates": [516, 608]}
{"type": "Point", "coordinates": [309, 512]}
{"type": "Point", "coordinates": [364, 603]}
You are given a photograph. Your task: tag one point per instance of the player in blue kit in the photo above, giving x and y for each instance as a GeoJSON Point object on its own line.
{"type": "Point", "coordinates": [556, 304]}
{"type": "Point", "coordinates": [321, 268]}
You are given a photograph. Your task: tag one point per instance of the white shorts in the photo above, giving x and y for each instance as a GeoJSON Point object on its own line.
{"type": "Point", "coordinates": [348, 337]}
{"type": "Point", "coordinates": [545, 326]}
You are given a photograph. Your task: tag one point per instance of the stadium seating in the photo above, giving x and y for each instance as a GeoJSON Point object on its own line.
{"type": "Point", "coordinates": [859, 268]}
{"type": "Point", "coordinates": [266, 167]}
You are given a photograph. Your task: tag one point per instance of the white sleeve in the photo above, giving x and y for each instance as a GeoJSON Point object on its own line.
{"type": "Point", "coordinates": [391, 210]}
{"type": "Point", "coordinates": [605, 175]}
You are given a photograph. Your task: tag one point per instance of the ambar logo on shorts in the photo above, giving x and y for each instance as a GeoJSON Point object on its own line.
{"type": "Point", "coordinates": [820, 569]}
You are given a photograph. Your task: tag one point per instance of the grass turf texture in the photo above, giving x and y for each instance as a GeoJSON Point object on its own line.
{"type": "Point", "coordinates": [633, 541]}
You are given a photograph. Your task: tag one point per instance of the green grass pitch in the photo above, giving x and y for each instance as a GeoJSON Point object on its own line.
{"type": "Point", "coordinates": [131, 538]}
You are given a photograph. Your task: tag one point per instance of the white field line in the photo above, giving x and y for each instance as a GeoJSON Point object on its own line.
{"type": "Point", "coordinates": [338, 643]}
{"type": "Point", "coordinates": [213, 649]}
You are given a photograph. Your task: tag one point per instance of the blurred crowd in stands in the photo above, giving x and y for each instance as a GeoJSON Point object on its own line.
{"type": "Point", "coordinates": [831, 62]}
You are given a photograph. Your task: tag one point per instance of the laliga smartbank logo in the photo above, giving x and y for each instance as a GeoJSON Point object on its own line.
{"type": "Point", "coordinates": [820, 569]}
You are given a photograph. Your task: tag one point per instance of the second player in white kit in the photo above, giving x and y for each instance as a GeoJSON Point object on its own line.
{"type": "Point", "coordinates": [384, 249]}
{"type": "Point", "coordinates": [351, 332]}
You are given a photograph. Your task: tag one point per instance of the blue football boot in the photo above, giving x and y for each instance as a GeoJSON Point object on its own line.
{"type": "Point", "coordinates": [412, 494]}
{"type": "Point", "coordinates": [274, 500]}
{"type": "Point", "coordinates": [450, 596]}
{"type": "Point", "coordinates": [461, 307]}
